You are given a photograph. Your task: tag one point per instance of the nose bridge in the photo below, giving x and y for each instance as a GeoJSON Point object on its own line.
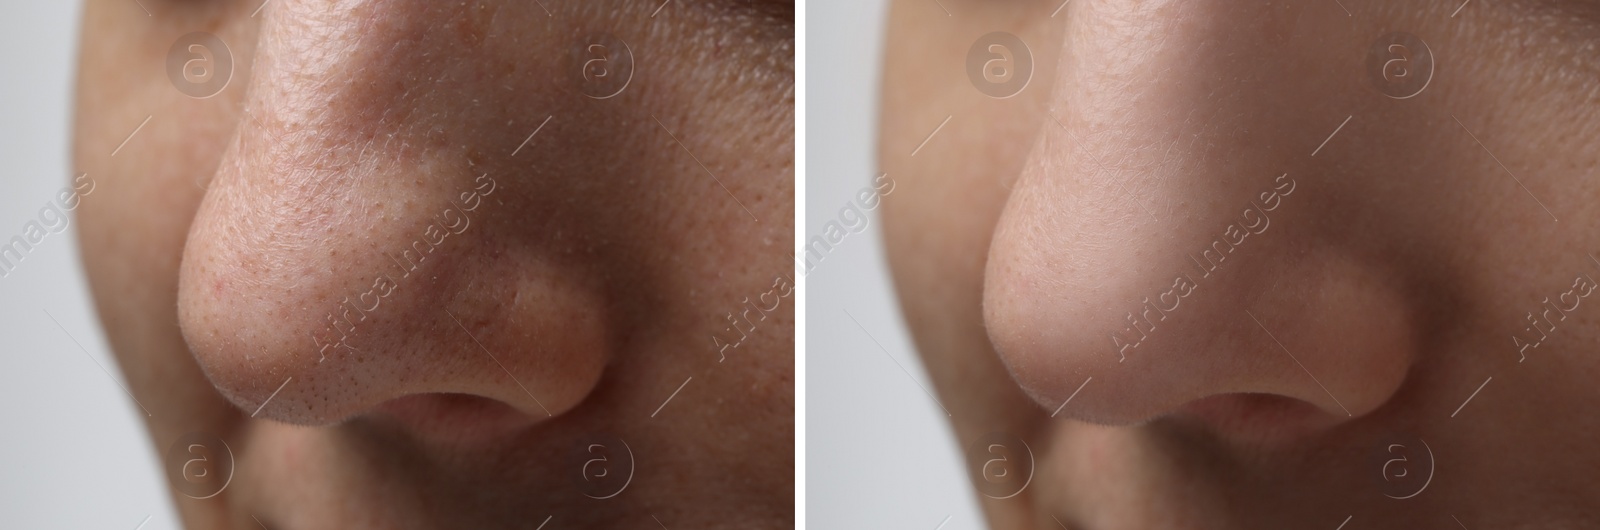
{"type": "Point", "coordinates": [355, 113]}
{"type": "Point", "coordinates": [1165, 133]}
{"type": "Point", "coordinates": [1174, 90]}
{"type": "Point", "coordinates": [325, 145]}
{"type": "Point", "coordinates": [329, 79]}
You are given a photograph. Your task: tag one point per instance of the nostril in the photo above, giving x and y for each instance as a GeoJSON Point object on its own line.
{"type": "Point", "coordinates": [1251, 417]}
{"type": "Point", "coordinates": [448, 418]}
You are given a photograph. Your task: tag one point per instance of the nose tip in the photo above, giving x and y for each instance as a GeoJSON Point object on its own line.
{"type": "Point", "coordinates": [1157, 326]}
{"type": "Point", "coordinates": [314, 325]}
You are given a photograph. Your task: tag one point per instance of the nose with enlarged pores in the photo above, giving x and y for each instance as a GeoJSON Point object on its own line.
{"type": "Point", "coordinates": [356, 247]}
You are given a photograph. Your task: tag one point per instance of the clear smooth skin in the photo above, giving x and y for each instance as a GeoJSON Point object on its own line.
{"type": "Point", "coordinates": [1372, 312]}
{"type": "Point", "coordinates": [355, 267]}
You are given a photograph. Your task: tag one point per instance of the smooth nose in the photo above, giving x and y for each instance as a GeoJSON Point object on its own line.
{"type": "Point", "coordinates": [369, 236]}
{"type": "Point", "coordinates": [1171, 236]}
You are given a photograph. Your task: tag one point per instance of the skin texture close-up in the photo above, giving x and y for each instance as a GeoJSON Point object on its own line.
{"type": "Point", "coordinates": [1253, 264]}
{"type": "Point", "coordinates": [479, 264]}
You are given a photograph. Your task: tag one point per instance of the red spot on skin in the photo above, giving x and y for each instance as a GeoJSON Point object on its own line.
{"type": "Point", "coordinates": [216, 287]}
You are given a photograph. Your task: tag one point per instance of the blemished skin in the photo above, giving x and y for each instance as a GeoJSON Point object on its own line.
{"type": "Point", "coordinates": [360, 268]}
{"type": "Point", "coordinates": [1334, 367]}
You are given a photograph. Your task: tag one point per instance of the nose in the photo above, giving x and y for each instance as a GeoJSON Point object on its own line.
{"type": "Point", "coordinates": [371, 235]}
{"type": "Point", "coordinates": [1173, 246]}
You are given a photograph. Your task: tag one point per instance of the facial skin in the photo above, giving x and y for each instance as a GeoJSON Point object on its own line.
{"type": "Point", "coordinates": [1304, 381]}
{"type": "Point", "coordinates": [355, 267]}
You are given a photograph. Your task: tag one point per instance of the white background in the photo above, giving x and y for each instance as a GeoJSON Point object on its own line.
{"type": "Point", "coordinates": [880, 453]}
{"type": "Point", "coordinates": [73, 448]}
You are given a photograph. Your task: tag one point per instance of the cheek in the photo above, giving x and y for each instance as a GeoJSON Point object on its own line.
{"type": "Point", "coordinates": [151, 158]}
